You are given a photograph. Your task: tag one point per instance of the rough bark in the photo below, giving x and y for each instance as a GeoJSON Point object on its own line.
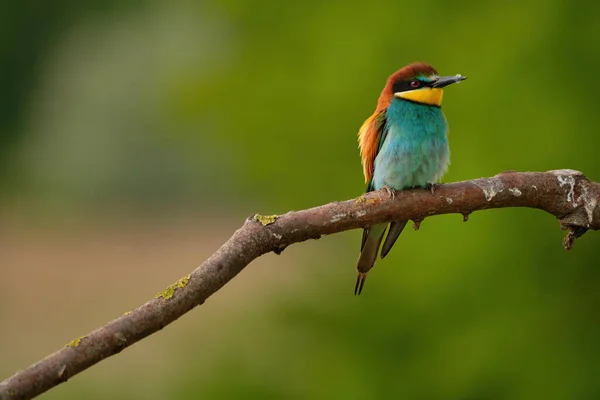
{"type": "Point", "coordinates": [566, 194]}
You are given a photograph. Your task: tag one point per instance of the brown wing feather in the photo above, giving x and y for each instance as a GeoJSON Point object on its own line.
{"type": "Point", "coordinates": [368, 141]}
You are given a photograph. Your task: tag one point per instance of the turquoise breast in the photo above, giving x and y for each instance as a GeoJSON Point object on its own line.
{"type": "Point", "coordinates": [415, 150]}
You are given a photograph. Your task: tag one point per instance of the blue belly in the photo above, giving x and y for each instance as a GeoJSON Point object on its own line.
{"type": "Point", "coordinates": [415, 151]}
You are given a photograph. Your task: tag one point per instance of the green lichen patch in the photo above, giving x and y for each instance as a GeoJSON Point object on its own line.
{"type": "Point", "coordinates": [170, 290]}
{"type": "Point", "coordinates": [363, 199]}
{"type": "Point", "coordinates": [75, 342]}
{"type": "Point", "coordinates": [265, 220]}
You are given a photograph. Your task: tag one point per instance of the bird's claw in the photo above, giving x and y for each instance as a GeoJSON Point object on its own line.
{"type": "Point", "coordinates": [431, 187]}
{"type": "Point", "coordinates": [390, 192]}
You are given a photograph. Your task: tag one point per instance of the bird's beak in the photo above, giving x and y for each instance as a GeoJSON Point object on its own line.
{"type": "Point", "coordinates": [448, 80]}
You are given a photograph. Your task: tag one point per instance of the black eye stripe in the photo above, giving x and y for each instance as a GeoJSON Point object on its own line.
{"type": "Point", "coordinates": [403, 86]}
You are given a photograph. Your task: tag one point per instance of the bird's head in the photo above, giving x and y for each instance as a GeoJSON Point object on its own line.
{"type": "Point", "coordinates": [417, 82]}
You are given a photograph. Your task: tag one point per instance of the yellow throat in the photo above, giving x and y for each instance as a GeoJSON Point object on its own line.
{"type": "Point", "coordinates": [429, 96]}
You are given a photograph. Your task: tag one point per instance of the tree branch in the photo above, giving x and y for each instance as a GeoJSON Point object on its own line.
{"type": "Point", "coordinates": [566, 194]}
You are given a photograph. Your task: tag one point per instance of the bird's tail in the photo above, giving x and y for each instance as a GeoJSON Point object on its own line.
{"type": "Point", "coordinates": [372, 237]}
{"type": "Point", "coordinates": [395, 230]}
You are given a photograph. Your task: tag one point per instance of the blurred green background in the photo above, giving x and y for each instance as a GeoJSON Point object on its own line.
{"type": "Point", "coordinates": [136, 136]}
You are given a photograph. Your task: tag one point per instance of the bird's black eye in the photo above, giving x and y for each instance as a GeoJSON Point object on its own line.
{"type": "Point", "coordinates": [415, 83]}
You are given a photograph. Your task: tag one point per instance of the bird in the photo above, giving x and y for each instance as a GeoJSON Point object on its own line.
{"type": "Point", "coordinates": [403, 145]}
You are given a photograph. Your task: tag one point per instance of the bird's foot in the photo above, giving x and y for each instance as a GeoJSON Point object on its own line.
{"type": "Point", "coordinates": [390, 191]}
{"type": "Point", "coordinates": [431, 187]}
{"type": "Point", "coordinates": [360, 282]}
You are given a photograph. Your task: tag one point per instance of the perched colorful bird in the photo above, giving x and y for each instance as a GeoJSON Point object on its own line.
{"type": "Point", "coordinates": [402, 145]}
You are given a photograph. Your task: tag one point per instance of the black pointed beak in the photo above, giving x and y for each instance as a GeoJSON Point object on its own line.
{"type": "Point", "coordinates": [448, 80]}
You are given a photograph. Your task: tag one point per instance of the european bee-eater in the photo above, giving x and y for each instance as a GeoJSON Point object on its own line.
{"type": "Point", "coordinates": [403, 145]}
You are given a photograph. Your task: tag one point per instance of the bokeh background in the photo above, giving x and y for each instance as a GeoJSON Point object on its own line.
{"type": "Point", "coordinates": [135, 137]}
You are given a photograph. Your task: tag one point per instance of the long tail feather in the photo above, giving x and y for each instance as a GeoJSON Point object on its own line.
{"type": "Point", "coordinates": [360, 282]}
{"type": "Point", "coordinates": [368, 254]}
{"type": "Point", "coordinates": [395, 230]}
{"type": "Point", "coordinates": [364, 237]}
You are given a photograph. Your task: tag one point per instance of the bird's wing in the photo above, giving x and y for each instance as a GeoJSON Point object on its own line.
{"type": "Point", "coordinates": [371, 136]}
{"type": "Point", "coordinates": [370, 139]}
